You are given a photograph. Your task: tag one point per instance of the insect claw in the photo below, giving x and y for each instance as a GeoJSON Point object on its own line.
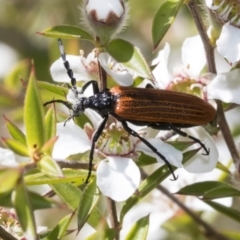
{"type": "Point", "coordinates": [207, 151]}
{"type": "Point", "coordinates": [174, 177]}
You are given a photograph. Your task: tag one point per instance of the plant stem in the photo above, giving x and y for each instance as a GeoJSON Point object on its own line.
{"type": "Point", "coordinates": [102, 76]}
{"type": "Point", "coordinates": [209, 50]}
{"type": "Point", "coordinates": [112, 213]}
{"type": "Point", "coordinates": [6, 235]}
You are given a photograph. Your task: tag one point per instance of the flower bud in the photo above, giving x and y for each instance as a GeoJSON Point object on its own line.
{"type": "Point", "coordinates": [104, 18]}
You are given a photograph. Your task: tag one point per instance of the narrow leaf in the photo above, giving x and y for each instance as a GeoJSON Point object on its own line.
{"type": "Point", "coordinates": [15, 132]}
{"type": "Point", "coordinates": [87, 202]}
{"type": "Point", "coordinates": [221, 192]}
{"type": "Point", "coordinates": [53, 88]}
{"type": "Point", "coordinates": [71, 195]}
{"type": "Point", "coordinates": [230, 212]}
{"type": "Point", "coordinates": [211, 189]}
{"type": "Point", "coordinates": [60, 229]}
{"type": "Point", "coordinates": [50, 124]}
{"type": "Point", "coordinates": [8, 178]}
{"type": "Point", "coordinates": [16, 146]}
{"type": "Point", "coordinates": [163, 19]}
{"type": "Point", "coordinates": [67, 32]}
{"type": "Point", "coordinates": [139, 230]}
{"type": "Point", "coordinates": [130, 57]}
{"type": "Point", "coordinates": [33, 117]}
{"type": "Point", "coordinates": [48, 166]}
{"type": "Point", "coordinates": [76, 176]}
{"type": "Point", "coordinates": [37, 201]}
{"type": "Point", "coordinates": [107, 234]}
{"type": "Point", "coordinates": [20, 71]}
{"type": "Point", "coordinates": [22, 205]}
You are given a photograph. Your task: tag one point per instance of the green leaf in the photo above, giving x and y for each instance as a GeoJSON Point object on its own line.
{"type": "Point", "coordinates": [130, 57]}
{"type": "Point", "coordinates": [16, 146]}
{"type": "Point", "coordinates": [48, 166]}
{"type": "Point", "coordinates": [15, 132]}
{"type": "Point", "coordinates": [60, 229]}
{"type": "Point", "coordinates": [163, 19]}
{"type": "Point", "coordinates": [151, 182]}
{"type": "Point", "coordinates": [50, 124]}
{"type": "Point", "coordinates": [9, 178]}
{"type": "Point", "coordinates": [22, 205]}
{"type": "Point", "coordinates": [223, 168]}
{"type": "Point", "coordinates": [37, 201]}
{"type": "Point", "coordinates": [67, 32]}
{"type": "Point", "coordinates": [76, 176]}
{"type": "Point", "coordinates": [52, 88]}
{"type": "Point", "coordinates": [209, 190]}
{"type": "Point", "coordinates": [33, 118]}
{"type": "Point", "coordinates": [230, 212]}
{"type": "Point", "coordinates": [40, 202]}
{"type": "Point", "coordinates": [71, 195]}
{"type": "Point", "coordinates": [87, 202]}
{"type": "Point", "coordinates": [20, 71]}
{"type": "Point", "coordinates": [221, 192]}
{"type": "Point", "coordinates": [107, 234]}
{"type": "Point", "coordinates": [181, 145]}
{"type": "Point", "coordinates": [139, 230]}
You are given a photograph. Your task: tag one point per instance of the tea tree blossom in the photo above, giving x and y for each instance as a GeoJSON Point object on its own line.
{"type": "Point", "coordinates": [117, 174]}
{"type": "Point", "coordinates": [86, 69]}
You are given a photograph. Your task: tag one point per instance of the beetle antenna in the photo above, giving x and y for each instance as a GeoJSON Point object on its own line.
{"type": "Point", "coordinates": [68, 68]}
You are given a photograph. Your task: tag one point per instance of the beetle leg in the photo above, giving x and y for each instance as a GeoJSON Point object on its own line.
{"type": "Point", "coordinates": [94, 140]}
{"type": "Point", "coordinates": [94, 86]}
{"type": "Point", "coordinates": [135, 134]}
{"type": "Point", "coordinates": [178, 131]}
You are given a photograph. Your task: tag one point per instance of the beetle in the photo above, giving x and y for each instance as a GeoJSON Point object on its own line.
{"type": "Point", "coordinates": [158, 109]}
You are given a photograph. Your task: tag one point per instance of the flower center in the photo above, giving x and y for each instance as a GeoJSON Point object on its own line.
{"type": "Point", "coordinates": [115, 141]}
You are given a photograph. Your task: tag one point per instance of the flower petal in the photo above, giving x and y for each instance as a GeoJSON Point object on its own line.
{"type": "Point", "coordinates": [7, 158]}
{"type": "Point", "coordinates": [78, 64]}
{"type": "Point", "coordinates": [225, 87]}
{"type": "Point", "coordinates": [160, 72]}
{"type": "Point", "coordinates": [201, 163]}
{"type": "Point", "coordinates": [118, 177]}
{"type": "Point", "coordinates": [193, 55]}
{"type": "Point", "coordinates": [230, 36]}
{"type": "Point", "coordinates": [116, 71]}
{"type": "Point", "coordinates": [72, 140]}
{"type": "Point", "coordinates": [172, 155]}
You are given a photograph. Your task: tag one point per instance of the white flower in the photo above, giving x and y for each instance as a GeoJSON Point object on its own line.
{"type": "Point", "coordinates": [115, 70]}
{"type": "Point", "coordinates": [117, 174]}
{"type": "Point", "coordinates": [7, 158]}
{"type": "Point", "coordinates": [230, 36]}
{"type": "Point", "coordinates": [86, 69]}
{"type": "Point", "coordinates": [193, 58]}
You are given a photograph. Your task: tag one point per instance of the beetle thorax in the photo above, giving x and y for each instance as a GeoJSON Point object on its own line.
{"type": "Point", "coordinates": [101, 102]}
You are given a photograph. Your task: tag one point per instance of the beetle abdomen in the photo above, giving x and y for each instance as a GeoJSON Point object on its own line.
{"type": "Point", "coordinates": [161, 106]}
